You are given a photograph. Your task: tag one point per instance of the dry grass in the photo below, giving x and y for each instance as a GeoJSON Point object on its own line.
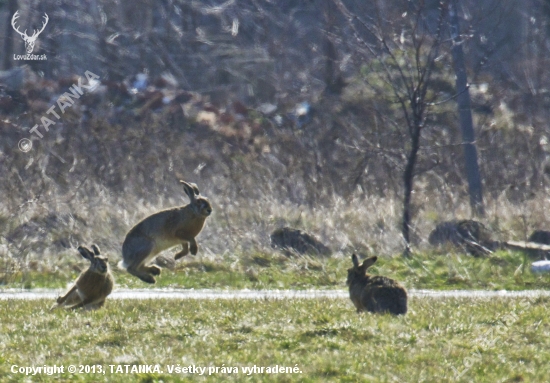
{"type": "Point", "coordinates": [362, 223]}
{"type": "Point", "coordinates": [44, 236]}
{"type": "Point", "coordinates": [234, 247]}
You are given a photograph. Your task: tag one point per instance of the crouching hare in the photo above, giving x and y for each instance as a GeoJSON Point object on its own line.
{"type": "Point", "coordinates": [92, 286]}
{"type": "Point", "coordinates": [374, 293]}
{"type": "Point", "coordinates": [163, 230]}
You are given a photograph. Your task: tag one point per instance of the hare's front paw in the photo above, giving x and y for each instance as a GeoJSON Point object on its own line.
{"type": "Point", "coordinates": [155, 270]}
{"type": "Point", "coordinates": [184, 251]}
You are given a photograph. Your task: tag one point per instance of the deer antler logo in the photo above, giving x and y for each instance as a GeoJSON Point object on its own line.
{"type": "Point", "coordinates": [29, 40]}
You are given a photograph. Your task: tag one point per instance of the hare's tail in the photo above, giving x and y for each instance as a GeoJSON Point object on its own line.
{"type": "Point", "coordinates": [122, 265]}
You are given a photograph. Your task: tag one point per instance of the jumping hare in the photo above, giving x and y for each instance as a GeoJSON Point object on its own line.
{"type": "Point", "coordinates": [374, 293]}
{"type": "Point", "coordinates": [163, 230]}
{"type": "Point", "coordinates": [92, 286]}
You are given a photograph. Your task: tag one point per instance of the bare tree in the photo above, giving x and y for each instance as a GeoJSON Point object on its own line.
{"type": "Point", "coordinates": [403, 56]}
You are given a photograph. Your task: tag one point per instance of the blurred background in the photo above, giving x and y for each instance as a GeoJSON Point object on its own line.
{"type": "Point", "coordinates": [286, 113]}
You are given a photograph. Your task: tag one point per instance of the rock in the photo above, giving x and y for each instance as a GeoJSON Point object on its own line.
{"type": "Point", "coordinates": [292, 240]}
{"type": "Point", "coordinates": [472, 236]}
{"type": "Point", "coordinates": [165, 262]}
{"type": "Point", "coordinates": [540, 236]}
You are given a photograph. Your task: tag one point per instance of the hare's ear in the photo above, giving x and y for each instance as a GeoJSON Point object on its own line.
{"type": "Point", "coordinates": [195, 189]}
{"type": "Point", "coordinates": [188, 188]}
{"type": "Point", "coordinates": [95, 248]}
{"type": "Point", "coordinates": [86, 253]}
{"type": "Point", "coordinates": [355, 260]}
{"type": "Point", "coordinates": [368, 262]}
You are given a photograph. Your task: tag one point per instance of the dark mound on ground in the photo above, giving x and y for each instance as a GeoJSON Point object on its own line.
{"type": "Point", "coordinates": [540, 236]}
{"type": "Point", "coordinates": [296, 241]}
{"type": "Point", "coordinates": [471, 236]}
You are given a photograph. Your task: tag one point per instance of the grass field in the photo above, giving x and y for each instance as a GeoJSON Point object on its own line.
{"type": "Point", "coordinates": [503, 270]}
{"type": "Point", "coordinates": [445, 340]}
{"type": "Point", "coordinates": [499, 340]}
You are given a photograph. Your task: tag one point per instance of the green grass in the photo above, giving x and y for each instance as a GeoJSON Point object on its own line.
{"type": "Point", "coordinates": [504, 270]}
{"type": "Point", "coordinates": [437, 341]}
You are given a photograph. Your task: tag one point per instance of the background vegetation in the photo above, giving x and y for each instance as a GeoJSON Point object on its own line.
{"type": "Point", "coordinates": [220, 108]}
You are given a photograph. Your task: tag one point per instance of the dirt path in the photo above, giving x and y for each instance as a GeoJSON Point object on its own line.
{"type": "Point", "coordinates": [268, 294]}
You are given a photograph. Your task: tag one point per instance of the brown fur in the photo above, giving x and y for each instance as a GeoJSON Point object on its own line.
{"type": "Point", "coordinates": [375, 293]}
{"type": "Point", "coordinates": [163, 230]}
{"type": "Point", "coordinates": [92, 286]}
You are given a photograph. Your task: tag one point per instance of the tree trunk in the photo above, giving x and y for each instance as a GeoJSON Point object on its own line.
{"type": "Point", "coordinates": [408, 179]}
{"type": "Point", "coordinates": [334, 82]}
{"type": "Point", "coordinates": [465, 115]}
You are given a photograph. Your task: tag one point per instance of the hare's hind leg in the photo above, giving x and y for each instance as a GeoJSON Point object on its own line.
{"type": "Point", "coordinates": [184, 251]}
{"type": "Point", "coordinates": [87, 304]}
{"type": "Point", "coordinates": [194, 246]}
{"type": "Point", "coordinates": [143, 273]}
{"type": "Point", "coordinates": [153, 269]}
{"type": "Point", "coordinates": [71, 296]}
{"type": "Point", "coordinates": [371, 301]}
{"type": "Point", "coordinates": [392, 300]}
{"type": "Point", "coordinates": [136, 254]}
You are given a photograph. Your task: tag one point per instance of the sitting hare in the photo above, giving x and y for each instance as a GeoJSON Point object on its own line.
{"type": "Point", "coordinates": [163, 230]}
{"type": "Point", "coordinates": [374, 293]}
{"type": "Point", "coordinates": [92, 286]}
